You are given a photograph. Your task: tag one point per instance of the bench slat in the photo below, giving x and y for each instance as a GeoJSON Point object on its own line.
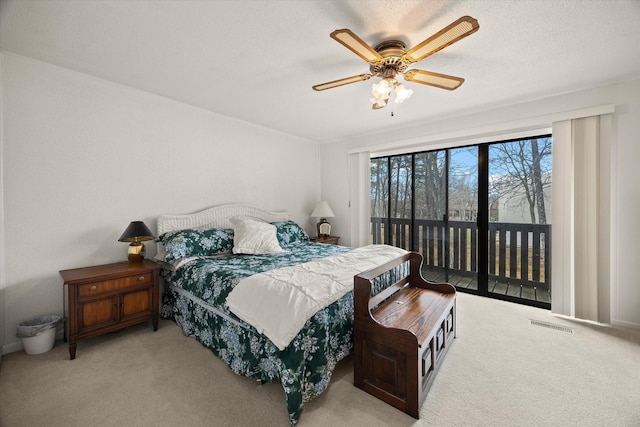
{"type": "Point", "coordinates": [414, 309]}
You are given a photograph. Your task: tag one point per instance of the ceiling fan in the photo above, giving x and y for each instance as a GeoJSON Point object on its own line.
{"type": "Point", "coordinates": [389, 59]}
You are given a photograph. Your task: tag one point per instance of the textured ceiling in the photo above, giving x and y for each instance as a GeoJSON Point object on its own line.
{"type": "Point", "coordinates": [257, 60]}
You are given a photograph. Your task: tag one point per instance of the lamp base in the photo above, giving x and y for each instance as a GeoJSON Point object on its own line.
{"type": "Point", "coordinates": [324, 228]}
{"type": "Point", "coordinates": [136, 252]}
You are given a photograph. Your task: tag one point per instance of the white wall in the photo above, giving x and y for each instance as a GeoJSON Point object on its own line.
{"type": "Point", "coordinates": [82, 157]}
{"type": "Point", "coordinates": [489, 125]}
{"type": "Point", "coordinates": [2, 269]}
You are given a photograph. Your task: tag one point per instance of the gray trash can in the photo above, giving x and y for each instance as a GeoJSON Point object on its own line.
{"type": "Point", "coordinates": [38, 334]}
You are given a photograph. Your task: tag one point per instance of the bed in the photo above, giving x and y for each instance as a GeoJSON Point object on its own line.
{"type": "Point", "coordinates": [211, 267]}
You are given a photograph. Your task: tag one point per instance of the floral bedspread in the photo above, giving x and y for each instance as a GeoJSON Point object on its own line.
{"type": "Point", "coordinates": [305, 366]}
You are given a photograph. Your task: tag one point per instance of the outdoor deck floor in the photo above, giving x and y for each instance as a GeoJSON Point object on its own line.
{"type": "Point", "coordinates": [496, 287]}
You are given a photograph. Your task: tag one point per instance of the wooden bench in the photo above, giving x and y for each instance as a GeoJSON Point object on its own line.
{"type": "Point", "coordinates": [401, 334]}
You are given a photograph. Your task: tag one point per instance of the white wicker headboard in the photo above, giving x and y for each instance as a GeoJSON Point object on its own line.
{"type": "Point", "coordinates": [214, 217]}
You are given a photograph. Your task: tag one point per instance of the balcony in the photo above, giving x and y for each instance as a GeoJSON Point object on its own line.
{"type": "Point", "coordinates": [519, 254]}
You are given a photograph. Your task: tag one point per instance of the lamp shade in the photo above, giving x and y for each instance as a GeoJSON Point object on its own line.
{"type": "Point", "coordinates": [322, 210]}
{"type": "Point", "coordinates": [137, 231]}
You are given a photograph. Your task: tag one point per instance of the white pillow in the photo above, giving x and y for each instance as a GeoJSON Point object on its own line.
{"type": "Point", "coordinates": [254, 237]}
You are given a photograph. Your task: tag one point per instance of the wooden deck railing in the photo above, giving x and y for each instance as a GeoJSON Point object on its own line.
{"type": "Point", "coordinates": [518, 253]}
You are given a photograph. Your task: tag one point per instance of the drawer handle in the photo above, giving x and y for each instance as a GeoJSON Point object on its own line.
{"type": "Point", "coordinates": [141, 278]}
{"type": "Point", "coordinates": [93, 288]}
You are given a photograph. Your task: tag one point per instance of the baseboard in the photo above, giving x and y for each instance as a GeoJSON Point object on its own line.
{"type": "Point", "coordinates": [12, 347]}
{"type": "Point", "coordinates": [628, 325]}
{"type": "Point", "coordinates": [18, 346]}
{"type": "Point", "coordinates": [614, 323]}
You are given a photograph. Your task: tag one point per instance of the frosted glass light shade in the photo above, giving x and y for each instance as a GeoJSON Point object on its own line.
{"type": "Point", "coordinates": [322, 210]}
{"type": "Point", "coordinates": [402, 93]}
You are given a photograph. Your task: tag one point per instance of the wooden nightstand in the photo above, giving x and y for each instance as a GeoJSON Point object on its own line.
{"type": "Point", "coordinates": [333, 240]}
{"type": "Point", "coordinates": [105, 298]}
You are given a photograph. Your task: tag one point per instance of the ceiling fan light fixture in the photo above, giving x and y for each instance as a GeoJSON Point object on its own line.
{"type": "Point", "coordinates": [383, 88]}
{"type": "Point", "coordinates": [390, 59]}
{"type": "Point", "coordinates": [402, 93]}
{"type": "Point", "coordinates": [381, 92]}
{"type": "Point", "coordinates": [379, 102]}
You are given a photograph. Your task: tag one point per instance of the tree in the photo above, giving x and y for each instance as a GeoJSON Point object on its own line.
{"type": "Point", "coordinates": [520, 173]}
{"type": "Point", "coordinates": [463, 184]}
{"type": "Point", "coordinates": [522, 169]}
{"type": "Point", "coordinates": [379, 187]}
{"type": "Point", "coordinates": [430, 182]}
{"type": "Point", "coordinates": [401, 196]}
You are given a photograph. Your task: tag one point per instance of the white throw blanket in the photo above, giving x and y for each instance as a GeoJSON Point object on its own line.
{"type": "Point", "coordinates": [279, 302]}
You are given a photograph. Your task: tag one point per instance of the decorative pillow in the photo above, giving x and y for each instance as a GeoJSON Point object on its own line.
{"type": "Point", "coordinates": [254, 237]}
{"type": "Point", "coordinates": [180, 244]}
{"type": "Point", "coordinates": [289, 232]}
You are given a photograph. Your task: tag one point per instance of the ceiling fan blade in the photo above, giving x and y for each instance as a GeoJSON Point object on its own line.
{"type": "Point", "coordinates": [442, 81]}
{"type": "Point", "coordinates": [450, 34]}
{"type": "Point", "coordinates": [356, 45]}
{"type": "Point", "coordinates": [341, 82]}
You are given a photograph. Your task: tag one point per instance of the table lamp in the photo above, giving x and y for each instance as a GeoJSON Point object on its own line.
{"type": "Point", "coordinates": [136, 233]}
{"type": "Point", "coordinates": [323, 211]}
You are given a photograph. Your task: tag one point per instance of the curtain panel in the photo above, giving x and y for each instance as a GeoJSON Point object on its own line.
{"type": "Point", "coordinates": [582, 220]}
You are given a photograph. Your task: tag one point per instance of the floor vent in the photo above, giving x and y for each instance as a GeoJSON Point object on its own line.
{"type": "Point", "coordinates": [551, 326]}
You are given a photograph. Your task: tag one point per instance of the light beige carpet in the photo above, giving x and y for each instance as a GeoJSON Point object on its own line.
{"type": "Point", "coordinates": [500, 371]}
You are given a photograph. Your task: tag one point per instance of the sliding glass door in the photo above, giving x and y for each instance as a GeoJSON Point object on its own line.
{"type": "Point", "coordinates": [520, 219]}
{"type": "Point", "coordinates": [463, 217]}
{"type": "Point", "coordinates": [430, 213]}
{"type": "Point", "coordinates": [479, 215]}
{"type": "Point", "coordinates": [379, 200]}
{"type": "Point", "coordinates": [401, 200]}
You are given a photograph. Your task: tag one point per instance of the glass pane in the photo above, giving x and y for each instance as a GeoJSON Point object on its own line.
{"type": "Point", "coordinates": [463, 216]}
{"type": "Point", "coordinates": [519, 218]}
{"type": "Point", "coordinates": [401, 198]}
{"type": "Point", "coordinates": [431, 205]}
{"type": "Point", "coordinates": [379, 198]}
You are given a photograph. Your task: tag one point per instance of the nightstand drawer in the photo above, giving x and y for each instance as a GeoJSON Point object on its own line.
{"type": "Point", "coordinates": [98, 288]}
